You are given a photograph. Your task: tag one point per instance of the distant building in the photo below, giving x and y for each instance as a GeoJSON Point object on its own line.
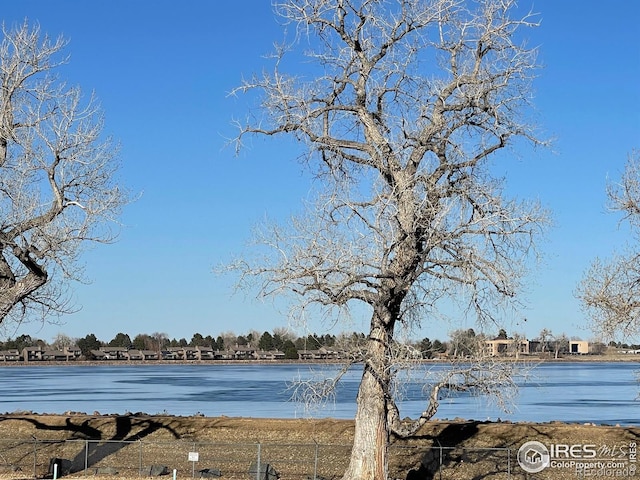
{"type": "Point", "coordinates": [580, 347]}
{"type": "Point", "coordinates": [243, 353]}
{"type": "Point", "coordinates": [269, 355]}
{"type": "Point", "coordinates": [72, 352]}
{"type": "Point", "coordinates": [182, 353]}
{"type": "Point", "coordinates": [31, 354]}
{"type": "Point", "coordinates": [150, 355]}
{"type": "Point", "coordinates": [506, 346]}
{"type": "Point", "coordinates": [323, 353]}
{"type": "Point", "coordinates": [99, 355]}
{"type": "Point", "coordinates": [38, 353]}
{"type": "Point", "coordinates": [224, 355]}
{"type": "Point", "coordinates": [112, 353]}
{"type": "Point", "coordinates": [11, 355]}
{"type": "Point", "coordinates": [204, 353]}
{"type": "Point", "coordinates": [134, 354]}
{"type": "Point", "coordinates": [54, 355]}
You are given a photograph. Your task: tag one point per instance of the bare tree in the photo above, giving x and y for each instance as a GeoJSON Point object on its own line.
{"type": "Point", "coordinates": [160, 341]}
{"type": "Point", "coordinates": [284, 333]}
{"type": "Point", "coordinates": [228, 339]}
{"type": "Point", "coordinates": [57, 186]}
{"type": "Point", "coordinates": [62, 341]}
{"type": "Point", "coordinates": [610, 289]}
{"type": "Point", "coordinates": [253, 337]}
{"type": "Point", "coordinates": [560, 344]}
{"type": "Point", "coordinates": [519, 345]}
{"type": "Point", "coordinates": [410, 102]}
{"type": "Point", "coordinates": [465, 343]}
{"type": "Point", "coordinates": [544, 336]}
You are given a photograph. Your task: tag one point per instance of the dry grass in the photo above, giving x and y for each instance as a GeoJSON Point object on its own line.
{"type": "Point", "coordinates": [232, 443]}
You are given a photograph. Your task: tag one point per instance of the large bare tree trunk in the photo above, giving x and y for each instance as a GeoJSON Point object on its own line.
{"type": "Point", "coordinates": [369, 456]}
{"type": "Point", "coordinates": [369, 453]}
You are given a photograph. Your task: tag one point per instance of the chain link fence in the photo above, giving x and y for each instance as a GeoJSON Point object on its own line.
{"type": "Point", "coordinates": [36, 458]}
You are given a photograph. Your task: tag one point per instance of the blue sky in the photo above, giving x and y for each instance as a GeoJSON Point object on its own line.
{"type": "Point", "coordinates": [163, 71]}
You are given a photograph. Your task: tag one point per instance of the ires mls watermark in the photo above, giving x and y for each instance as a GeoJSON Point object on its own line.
{"type": "Point", "coordinates": [584, 460]}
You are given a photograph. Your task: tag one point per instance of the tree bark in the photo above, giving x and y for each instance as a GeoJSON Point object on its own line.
{"type": "Point", "coordinates": [369, 453]}
{"type": "Point", "coordinates": [19, 292]}
{"type": "Point", "coordinates": [369, 456]}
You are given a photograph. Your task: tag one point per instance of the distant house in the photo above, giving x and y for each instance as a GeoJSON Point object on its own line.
{"type": "Point", "coordinates": [506, 346]}
{"type": "Point", "coordinates": [535, 346]}
{"type": "Point", "coordinates": [32, 354]}
{"type": "Point", "coordinates": [243, 353]}
{"type": "Point", "coordinates": [73, 352]}
{"type": "Point", "coordinates": [190, 353]}
{"type": "Point", "coordinates": [224, 355]}
{"type": "Point", "coordinates": [114, 353]}
{"type": "Point", "coordinates": [149, 355]}
{"type": "Point", "coordinates": [169, 355]}
{"type": "Point", "coordinates": [134, 354]}
{"type": "Point", "coordinates": [306, 354]}
{"type": "Point", "coordinates": [330, 354]}
{"type": "Point", "coordinates": [578, 347]}
{"type": "Point", "coordinates": [11, 355]}
{"type": "Point", "coordinates": [204, 353]}
{"type": "Point", "coordinates": [99, 355]}
{"type": "Point", "coordinates": [54, 356]}
{"type": "Point", "coordinates": [175, 353]}
{"type": "Point", "coordinates": [269, 355]}
{"type": "Point", "coordinates": [322, 353]}
{"type": "Point", "coordinates": [184, 353]}
{"type": "Point", "coordinates": [37, 353]}
{"type": "Point", "coordinates": [310, 354]}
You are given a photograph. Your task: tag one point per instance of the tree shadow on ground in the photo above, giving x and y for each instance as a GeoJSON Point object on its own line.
{"type": "Point", "coordinates": [438, 455]}
{"type": "Point", "coordinates": [100, 444]}
{"type": "Point", "coordinates": [454, 450]}
{"type": "Point", "coordinates": [478, 450]}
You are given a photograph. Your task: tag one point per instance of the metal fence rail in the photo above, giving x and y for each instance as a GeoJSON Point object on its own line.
{"type": "Point", "coordinates": [36, 458]}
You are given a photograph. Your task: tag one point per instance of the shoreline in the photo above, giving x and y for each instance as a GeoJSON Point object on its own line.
{"type": "Point", "coordinates": [622, 358]}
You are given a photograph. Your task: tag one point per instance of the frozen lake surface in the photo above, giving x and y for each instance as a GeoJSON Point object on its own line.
{"type": "Point", "coordinates": [598, 392]}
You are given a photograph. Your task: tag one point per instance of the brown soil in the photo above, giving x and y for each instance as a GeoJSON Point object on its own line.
{"type": "Point", "coordinates": [126, 444]}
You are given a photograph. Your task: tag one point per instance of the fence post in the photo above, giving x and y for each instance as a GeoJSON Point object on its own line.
{"type": "Point", "coordinates": [35, 457]}
{"type": "Point", "coordinates": [315, 462]}
{"type": "Point", "coordinates": [509, 462]}
{"type": "Point", "coordinates": [258, 464]}
{"type": "Point", "coordinates": [86, 456]}
{"type": "Point", "coordinates": [140, 459]}
{"type": "Point", "coordinates": [194, 448]}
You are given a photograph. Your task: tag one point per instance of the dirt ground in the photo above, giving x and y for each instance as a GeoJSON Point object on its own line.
{"type": "Point", "coordinates": [455, 449]}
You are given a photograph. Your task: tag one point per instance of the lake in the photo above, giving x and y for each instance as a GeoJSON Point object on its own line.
{"type": "Point", "coordinates": [597, 392]}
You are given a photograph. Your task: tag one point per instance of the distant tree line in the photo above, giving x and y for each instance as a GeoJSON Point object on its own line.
{"type": "Point", "coordinates": [462, 342]}
{"type": "Point", "coordinates": [280, 340]}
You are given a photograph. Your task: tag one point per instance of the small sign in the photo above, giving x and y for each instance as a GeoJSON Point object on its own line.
{"type": "Point", "coordinates": [193, 456]}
